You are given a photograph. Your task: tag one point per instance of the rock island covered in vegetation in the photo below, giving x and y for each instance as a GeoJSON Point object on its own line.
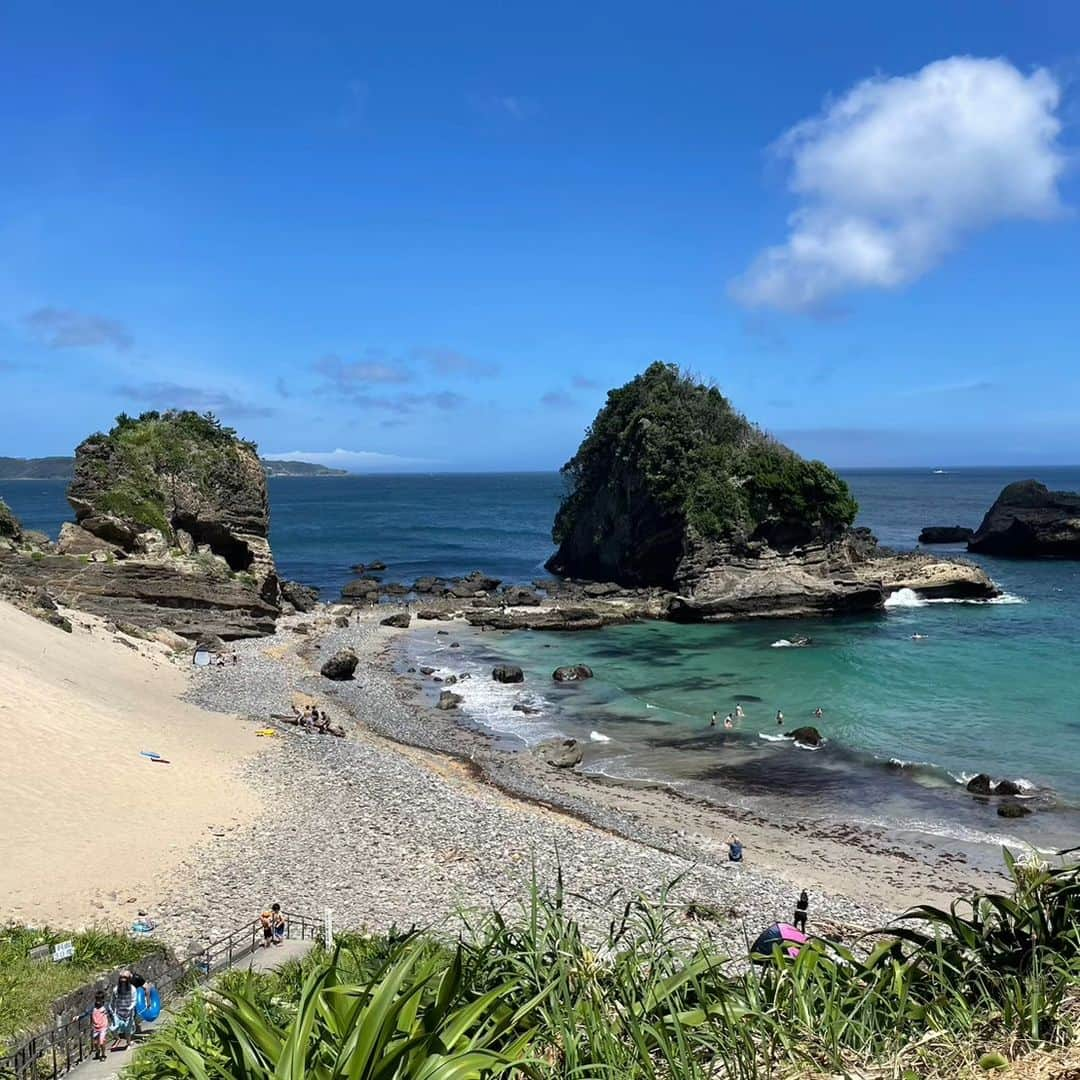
{"type": "Point", "coordinates": [171, 530]}
{"type": "Point", "coordinates": [672, 487]}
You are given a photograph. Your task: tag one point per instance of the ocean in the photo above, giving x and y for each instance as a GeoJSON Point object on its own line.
{"type": "Point", "coordinates": [990, 687]}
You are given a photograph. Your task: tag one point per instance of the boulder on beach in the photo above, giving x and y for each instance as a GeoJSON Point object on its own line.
{"type": "Point", "coordinates": [432, 614]}
{"type": "Point", "coordinates": [429, 585]}
{"type": "Point", "coordinates": [1029, 521]}
{"type": "Point", "coordinates": [807, 736]}
{"type": "Point", "coordinates": [1013, 810]}
{"type": "Point", "coordinates": [597, 589]}
{"type": "Point", "coordinates": [572, 673]}
{"type": "Point", "coordinates": [400, 620]}
{"type": "Point", "coordinates": [425, 670]}
{"type": "Point", "coordinates": [980, 784]}
{"type": "Point", "coordinates": [945, 534]}
{"type": "Point", "coordinates": [508, 673]}
{"type": "Point", "coordinates": [341, 665]}
{"type": "Point", "coordinates": [1007, 787]}
{"type": "Point", "coordinates": [302, 597]}
{"type": "Point", "coordinates": [519, 596]}
{"type": "Point", "coordinates": [560, 753]}
{"type": "Point", "coordinates": [448, 700]}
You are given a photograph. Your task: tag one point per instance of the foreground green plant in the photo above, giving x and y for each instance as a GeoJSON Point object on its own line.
{"type": "Point", "coordinates": [931, 997]}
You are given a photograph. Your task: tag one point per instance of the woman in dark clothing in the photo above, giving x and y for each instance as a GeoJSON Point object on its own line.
{"type": "Point", "coordinates": [801, 908]}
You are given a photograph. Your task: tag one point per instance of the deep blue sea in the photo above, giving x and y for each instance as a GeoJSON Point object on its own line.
{"type": "Point", "coordinates": [991, 687]}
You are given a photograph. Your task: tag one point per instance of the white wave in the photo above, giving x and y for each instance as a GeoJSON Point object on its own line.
{"type": "Point", "coordinates": [952, 832]}
{"type": "Point", "coordinates": [648, 706]}
{"type": "Point", "coordinates": [599, 736]}
{"type": "Point", "coordinates": [904, 598]}
{"type": "Point", "coordinates": [804, 746]}
{"type": "Point", "coordinates": [783, 643]}
{"type": "Point", "coordinates": [1004, 598]}
{"type": "Point", "coordinates": [769, 737]}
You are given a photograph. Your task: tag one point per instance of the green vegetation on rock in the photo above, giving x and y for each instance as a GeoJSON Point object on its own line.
{"type": "Point", "coordinates": [10, 529]}
{"type": "Point", "coordinates": [147, 467]}
{"type": "Point", "coordinates": [682, 445]}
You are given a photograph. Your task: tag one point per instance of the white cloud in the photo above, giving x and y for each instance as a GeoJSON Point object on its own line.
{"type": "Point", "coordinates": [895, 173]}
{"type": "Point", "coordinates": [353, 460]}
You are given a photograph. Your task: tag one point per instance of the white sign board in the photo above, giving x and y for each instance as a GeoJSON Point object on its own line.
{"type": "Point", "coordinates": [63, 950]}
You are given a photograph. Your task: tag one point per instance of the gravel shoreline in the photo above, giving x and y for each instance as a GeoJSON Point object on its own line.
{"type": "Point", "coordinates": [394, 835]}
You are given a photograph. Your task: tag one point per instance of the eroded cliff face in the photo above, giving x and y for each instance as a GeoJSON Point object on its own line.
{"type": "Point", "coordinates": [171, 529]}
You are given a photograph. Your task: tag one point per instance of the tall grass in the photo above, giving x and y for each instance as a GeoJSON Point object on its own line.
{"type": "Point", "coordinates": [530, 995]}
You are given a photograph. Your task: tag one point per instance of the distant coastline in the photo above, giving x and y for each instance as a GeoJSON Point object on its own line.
{"type": "Point", "coordinates": [60, 468]}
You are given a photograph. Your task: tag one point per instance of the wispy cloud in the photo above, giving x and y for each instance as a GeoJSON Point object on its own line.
{"type": "Point", "coordinates": [282, 388]}
{"type": "Point", "coordinates": [968, 386]}
{"type": "Point", "coordinates": [65, 328]}
{"type": "Point", "coordinates": [168, 395]}
{"type": "Point", "coordinates": [583, 382]}
{"type": "Point", "coordinates": [353, 373]}
{"type": "Point", "coordinates": [508, 106]}
{"type": "Point", "coordinates": [556, 399]}
{"type": "Point", "coordinates": [444, 361]}
{"type": "Point", "coordinates": [897, 172]}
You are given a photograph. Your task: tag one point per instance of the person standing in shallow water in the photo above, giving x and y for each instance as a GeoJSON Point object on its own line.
{"type": "Point", "coordinates": [802, 906]}
{"type": "Point", "coordinates": [712, 722]}
{"type": "Point", "coordinates": [779, 717]}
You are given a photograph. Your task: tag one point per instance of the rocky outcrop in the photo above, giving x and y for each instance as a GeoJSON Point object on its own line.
{"type": "Point", "coordinates": [1029, 521]}
{"type": "Point", "coordinates": [364, 589]}
{"type": "Point", "coordinates": [508, 673]}
{"type": "Point", "coordinates": [171, 530]}
{"type": "Point", "coordinates": [945, 534]}
{"type": "Point", "coordinates": [10, 528]}
{"type": "Point", "coordinates": [448, 700]}
{"type": "Point", "coordinates": [302, 597]}
{"type": "Point", "coordinates": [807, 736]}
{"type": "Point", "coordinates": [572, 673]}
{"type": "Point", "coordinates": [400, 620]}
{"type": "Point", "coordinates": [672, 488]}
{"type": "Point", "coordinates": [340, 666]}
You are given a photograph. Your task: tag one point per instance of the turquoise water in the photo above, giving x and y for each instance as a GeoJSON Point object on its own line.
{"type": "Point", "coordinates": [992, 687]}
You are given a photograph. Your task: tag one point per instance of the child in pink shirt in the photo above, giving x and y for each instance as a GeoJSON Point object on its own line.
{"type": "Point", "coordinates": [99, 1023]}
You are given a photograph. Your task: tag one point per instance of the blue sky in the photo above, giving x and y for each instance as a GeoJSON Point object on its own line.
{"type": "Point", "coordinates": [432, 236]}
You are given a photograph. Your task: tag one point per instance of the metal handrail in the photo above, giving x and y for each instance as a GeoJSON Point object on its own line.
{"type": "Point", "coordinates": [52, 1052]}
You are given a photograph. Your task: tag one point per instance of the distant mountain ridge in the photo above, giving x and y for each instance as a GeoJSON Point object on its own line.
{"type": "Point", "coordinates": [60, 468]}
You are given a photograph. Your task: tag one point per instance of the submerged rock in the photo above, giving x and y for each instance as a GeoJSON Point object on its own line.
{"type": "Point", "coordinates": [341, 665]}
{"type": "Point", "coordinates": [508, 673]}
{"type": "Point", "coordinates": [807, 736]}
{"type": "Point", "coordinates": [1013, 810]}
{"type": "Point", "coordinates": [572, 673]}
{"type": "Point", "coordinates": [1029, 521]}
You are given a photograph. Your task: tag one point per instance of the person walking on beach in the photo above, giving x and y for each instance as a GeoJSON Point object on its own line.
{"type": "Point", "coordinates": [802, 906]}
{"type": "Point", "coordinates": [99, 1023]}
{"type": "Point", "coordinates": [779, 717]}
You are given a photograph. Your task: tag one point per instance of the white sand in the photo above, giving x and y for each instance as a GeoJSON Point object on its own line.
{"type": "Point", "coordinates": [91, 829]}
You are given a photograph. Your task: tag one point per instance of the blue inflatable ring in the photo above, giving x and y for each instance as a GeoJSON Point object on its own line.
{"type": "Point", "coordinates": [147, 1010]}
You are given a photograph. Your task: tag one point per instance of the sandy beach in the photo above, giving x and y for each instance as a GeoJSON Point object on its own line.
{"type": "Point", "coordinates": [93, 830]}
{"type": "Point", "coordinates": [413, 818]}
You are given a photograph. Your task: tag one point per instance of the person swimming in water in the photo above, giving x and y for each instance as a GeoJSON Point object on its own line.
{"type": "Point", "coordinates": [729, 723]}
{"type": "Point", "coordinates": [712, 722]}
{"type": "Point", "coordinates": [818, 713]}
{"type": "Point", "coordinates": [739, 714]}
{"type": "Point", "coordinates": [918, 637]}
{"type": "Point", "coordinates": [779, 717]}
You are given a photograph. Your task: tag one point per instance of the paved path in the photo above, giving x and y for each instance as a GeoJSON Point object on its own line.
{"type": "Point", "coordinates": [260, 960]}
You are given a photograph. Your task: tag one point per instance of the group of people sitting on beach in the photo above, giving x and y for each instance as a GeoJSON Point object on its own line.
{"type": "Point", "coordinates": [312, 719]}
{"type": "Point", "coordinates": [120, 1014]}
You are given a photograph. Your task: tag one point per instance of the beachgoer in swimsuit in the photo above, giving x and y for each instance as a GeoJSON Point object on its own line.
{"type": "Point", "coordinates": [729, 722]}
{"type": "Point", "coordinates": [739, 714]}
{"type": "Point", "coordinates": [818, 713]}
{"type": "Point", "coordinates": [712, 722]}
{"type": "Point", "coordinates": [266, 921]}
{"type": "Point", "coordinates": [779, 717]}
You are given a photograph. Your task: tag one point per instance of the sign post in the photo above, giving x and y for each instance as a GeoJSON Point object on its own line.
{"type": "Point", "coordinates": [63, 950]}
